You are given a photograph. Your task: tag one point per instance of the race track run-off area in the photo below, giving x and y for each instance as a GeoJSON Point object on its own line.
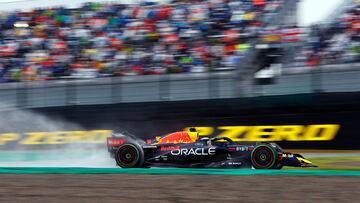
{"type": "Point", "coordinates": [176, 188]}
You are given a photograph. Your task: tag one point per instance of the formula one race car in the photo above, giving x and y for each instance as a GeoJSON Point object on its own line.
{"type": "Point", "coordinates": [187, 149]}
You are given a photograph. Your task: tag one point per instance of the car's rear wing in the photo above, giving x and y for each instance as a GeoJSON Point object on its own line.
{"type": "Point", "coordinates": [113, 142]}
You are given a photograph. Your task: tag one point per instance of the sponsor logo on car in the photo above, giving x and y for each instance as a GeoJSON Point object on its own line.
{"type": "Point", "coordinates": [288, 155]}
{"type": "Point", "coordinates": [149, 146]}
{"type": "Point", "coordinates": [169, 148]}
{"type": "Point", "coordinates": [194, 151]}
{"type": "Point", "coordinates": [241, 149]}
{"type": "Point", "coordinates": [114, 142]}
{"type": "Point", "coordinates": [235, 163]}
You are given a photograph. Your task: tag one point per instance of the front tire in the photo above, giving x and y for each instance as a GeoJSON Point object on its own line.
{"type": "Point", "coordinates": [263, 157]}
{"type": "Point", "coordinates": [129, 155]}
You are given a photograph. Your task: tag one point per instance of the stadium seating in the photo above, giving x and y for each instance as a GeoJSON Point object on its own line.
{"type": "Point", "coordinates": [101, 40]}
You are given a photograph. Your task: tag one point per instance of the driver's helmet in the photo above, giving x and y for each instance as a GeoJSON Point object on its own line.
{"type": "Point", "coordinates": [193, 134]}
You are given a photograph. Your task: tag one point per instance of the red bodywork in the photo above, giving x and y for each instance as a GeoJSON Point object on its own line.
{"type": "Point", "coordinates": [176, 137]}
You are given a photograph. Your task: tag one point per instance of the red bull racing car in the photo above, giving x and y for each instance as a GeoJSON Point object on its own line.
{"type": "Point", "coordinates": [190, 150]}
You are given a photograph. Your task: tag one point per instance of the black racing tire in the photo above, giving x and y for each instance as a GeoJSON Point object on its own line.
{"type": "Point", "coordinates": [263, 156]}
{"type": "Point", "coordinates": [130, 155]}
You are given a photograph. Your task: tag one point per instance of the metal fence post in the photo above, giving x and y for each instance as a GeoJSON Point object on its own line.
{"type": "Point", "coordinates": [116, 90]}
{"type": "Point", "coordinates": [164, 87]}
{"type": "Point", "coordinates": [213, 86]}
{"type": "Point", "coordinates": [71, 92]}
{"type": "Point", "coordinates": [21, 95]}
{"type": "Point", "coordinates": [316, 80]}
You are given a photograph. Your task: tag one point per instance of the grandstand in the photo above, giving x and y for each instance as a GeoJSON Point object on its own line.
{"type": "Point", "coordinates": [98, 53]}
{"type": "Point", "coordinates": [100, 40]}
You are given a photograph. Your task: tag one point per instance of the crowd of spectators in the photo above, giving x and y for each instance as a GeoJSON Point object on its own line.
{"type": "Point", "coordinates": [337, 43]}
{"type": "Point", "coordinates": [114, 40]}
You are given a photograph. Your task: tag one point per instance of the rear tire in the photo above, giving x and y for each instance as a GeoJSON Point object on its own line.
{"type": "Point", "coordinates": [129, 155]}
{"type": "Point", "coordinates": [263, 157]}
